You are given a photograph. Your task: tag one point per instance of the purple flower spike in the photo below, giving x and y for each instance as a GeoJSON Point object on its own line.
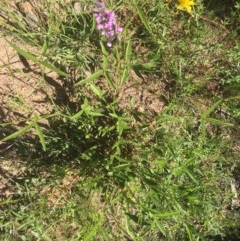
{"type": "Point", "coordinates": [106, 23]}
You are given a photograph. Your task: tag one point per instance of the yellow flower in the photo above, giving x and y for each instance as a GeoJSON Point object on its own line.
{"type": "Point", "coordinates": [186, 4]}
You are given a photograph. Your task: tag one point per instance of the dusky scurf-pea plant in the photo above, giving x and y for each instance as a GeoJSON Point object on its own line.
{"type": "Point", "coordinates": [106, 23]}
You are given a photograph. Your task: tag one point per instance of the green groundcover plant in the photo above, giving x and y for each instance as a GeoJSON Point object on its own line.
{"type": "Point", "coordinates": [104, 164]}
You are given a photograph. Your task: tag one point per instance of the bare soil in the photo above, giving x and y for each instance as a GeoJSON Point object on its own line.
{"type": "Point", "coordinates": [23, 93]}
{"type": "Point", "coordinates": [21, 89]}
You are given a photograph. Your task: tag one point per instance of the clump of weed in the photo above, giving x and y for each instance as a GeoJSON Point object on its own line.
{"type": "Point", "coordinates": [116, 173]}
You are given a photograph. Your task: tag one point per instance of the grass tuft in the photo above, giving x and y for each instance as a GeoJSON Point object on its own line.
{"type": "Point", "coordinates": [139, 141]}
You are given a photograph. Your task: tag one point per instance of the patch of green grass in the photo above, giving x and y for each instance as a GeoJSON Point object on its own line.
{"type": "Point", "coordinates": [97, 171]}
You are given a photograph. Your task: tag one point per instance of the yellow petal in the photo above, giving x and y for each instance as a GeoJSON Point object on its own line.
{"type": "Point", "coordinates": [191, 3]}
{"type": "Point", "coordinates": [188, 9]}
{"type": "Point", "coordinates": [186, 4]}
{"type": "Point", "coordinates": [180, 7]}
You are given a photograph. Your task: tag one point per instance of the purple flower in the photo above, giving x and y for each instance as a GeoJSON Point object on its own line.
{"type": "Point", "coordinates": [106, 23]}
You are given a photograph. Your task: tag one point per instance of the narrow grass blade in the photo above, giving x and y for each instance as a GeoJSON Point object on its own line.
{"type": "Point", "coordinates": [125, 75]}
{"type": "Point", "coordinates": [90, 78]}
{"type": "Point", "coordinates": [6, 201]}
{"type": "Point", "coordinates": [147, 67]}
{"type": "Point", "coordinates": [192, 177]}
{"type": "Point", "coordinates": [163, 215]}
{"type": "Point", "coordinates": [219, 122]}
{"type": "Point", "coordinates": [211, 109]}
{"type": "Point", "coordinates": [18, 133]}
{"type": "Point", "coordinates": [203, 128]}
{"type": "Point", "coordinates": [104, 233]}
{"type": "Point", "coordinates": [88, 110]}
{"type": "Point", "coordinates": [46, 238]}
{"type": "Point", "coordinates": [46, 40]}
{"type": "Point", "coordinates": [142, 17]}
{"type": "Point", "coordinates": [189, 233]}
{"type": "Point", "coordinates": [234, 98]}
{"type": "Point", "coordinates": [159, 225]}
{"type": "Point", "coordinates": [93, 26]}
{"type": "Point", "coordinates": [97, 91]}
{"type": "Point", "coordinates": [205, 115]}
{"type": "Point", "coordinates": [109, 80]}
{"type": "Point", "coordinates": [36, 60]}
{"type": "Point", "coordinates": [40, 135]}
{"type": "Point", "coordinates": [128, 57]}
{"type": "Point", "coordinates": [95, 113]}
{"type": "Point", "coordinates": [77, 115]}
{"type": "Point", "coordinates": [92, 233]}
{"type": "Point", "coordinates": [127, 225]}
{"type": "Point", "coordinates": [105, 58]}
{"type": "Point", "coordinates": [128, 53]}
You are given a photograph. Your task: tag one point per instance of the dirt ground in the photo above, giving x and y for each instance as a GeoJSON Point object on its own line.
{"type": "Point", "coordinates": [23, 93]}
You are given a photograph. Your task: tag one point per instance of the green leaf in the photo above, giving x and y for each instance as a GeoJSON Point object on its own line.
{"type": "Point", "coordinates": [147, 67]}
{"type": "Point", "coordinates": [218, 122]}
{"type": "Point", "coordinates": [128, 53]}
{"type": "Point", "coordinates": [46, 237]}
{"type": "Point", "coordinates": [95, 113]}
{"type": "Point", "coordinates": [205, 115]}
{"type": "Point", "coordinates": [158, 223]}
{"type": "Point", "coordinates": [237, 97]}
{"type": "Point", "coordinates": [93, 26]}
{"type": "Point", "coordinates": [92, 233]}
{"type": "Point", "coordinates": [90, 78]}
{"type": "Point", "coordinates": [211, 109]}
{"type": "Point", "coordinates": [163, 215]}
{"type": "Point", "coordinates": [97, 91]}
{"type": "Point", "coordinates": [109, 80]}
{"type": "Point", "coordinates": [40, 135]}
{"type": "Point", "coordinates": [189, 233]}
{"type": "Point", "coordinates": [88, 110]}
{"type": "Point", "coordinates": [121, 126]}
{"type": "Point", "coordinates": [125, 75]}
{"type": "Point", "coordinates": [46, 40]}
{"type": "Point", "coordinates": [85, 106]}
{"type": "Point", "coordinates": [132, 102]}
{"type": "Point", "coordinates": [77, 115]}
{"type": "Point", "coordinates": [142, 17]}
{"type": "Point", "coordinates": [133, 217]}
{"type": "Point", "coordinates": [36, 60]}
{"type": "Point", "coordinates": [192, 177]}
{"type": "Point", "coordinates": [128, 228]}
{"type": "Point", "coordinates": [19, 132]}
{"type": "Point", "coordinates": [105, 57]}
{"type": "Point", "coordinates": [128, 57]}
{"type": "Point", "coordinates": [104, 233]}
